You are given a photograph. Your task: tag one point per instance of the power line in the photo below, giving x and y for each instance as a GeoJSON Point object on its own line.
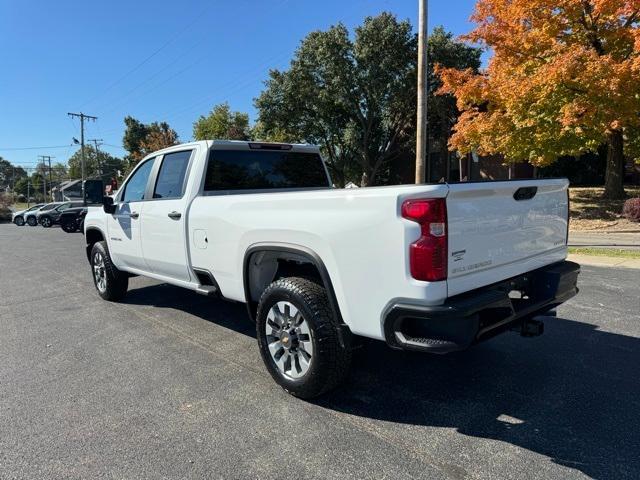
{"type": "Point", "coordinates": [162, 47]}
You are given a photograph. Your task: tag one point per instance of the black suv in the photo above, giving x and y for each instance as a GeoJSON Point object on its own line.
{"type": "Point", "coordinates": [51, 217]}
{"type": "Point", "coordinates": [72, 219]}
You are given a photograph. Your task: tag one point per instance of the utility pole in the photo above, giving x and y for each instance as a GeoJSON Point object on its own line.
{"type": "Point", "coordinates": [82, 117]}
{"type": "Point", "coordinates": [48, 158]}
{"type": "Point", "coordinates": [421, 132]}
{"type": "Point", "coordinates": [96, 142]}
{"type": "Point", "coordinates": [28, 193]}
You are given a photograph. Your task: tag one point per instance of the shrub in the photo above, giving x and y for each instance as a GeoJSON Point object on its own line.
{"type": "Point", "coordinates": [631, 209]}
{"type": "Point", "coordinates": [5, 200]}
{"type": "Point", "coordinates": [5, 214]}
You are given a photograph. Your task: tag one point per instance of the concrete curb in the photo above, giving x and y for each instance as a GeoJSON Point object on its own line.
{"type": "Point", "coordinates": [601, 261]}
{"type": "Point", "coordinates": [601, 232]}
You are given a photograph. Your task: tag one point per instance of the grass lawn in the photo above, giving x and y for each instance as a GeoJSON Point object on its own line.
{"type": "Point", "coordinates": [605, 252]}
{"type": "Point", "coordinates": [20, 206]}
{"type": "Point", "coordinates": [590, 212]}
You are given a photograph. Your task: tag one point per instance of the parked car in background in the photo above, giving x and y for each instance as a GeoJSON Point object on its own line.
{"type": "Point", "coordinates": [31, 218]}
{"type": "Point", "coordinates": [72, 219]}
{"type": "Point", "coordinates": [51, 216]}
{"type": "Point", "coordinates": [19, 217]}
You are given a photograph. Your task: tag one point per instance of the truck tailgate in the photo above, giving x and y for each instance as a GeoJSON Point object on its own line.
{"type": "Point", "coordinates": [501, 229]}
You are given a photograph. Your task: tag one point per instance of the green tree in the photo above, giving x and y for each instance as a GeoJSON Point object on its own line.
{"type": "Point", "coordinates": [31, 185]}
{"type": "Point", "coordinates": [356, 97]}
{"type": "Point", "coordinates": [20, 186]}
{"type": "Point", "coordinates": [222, 124]}
{"type": "Point", "coordinates": [9, 174]}
{"type": "Point", "coordinates": [36, 186]}
{"type": "Point", "coordinates": [134, 134]}
{"type": "Point", "coordinates": [59, 172]}
{"type": "Point", "coordinates": [101, 165]}
{"type": "Point", "coordinates": [140, 139]}
{"type": "Point", "coordinates": [353, 97]}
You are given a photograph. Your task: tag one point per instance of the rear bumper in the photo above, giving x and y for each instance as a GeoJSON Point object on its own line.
{"type": "Point", "coordinates": [480, 314]}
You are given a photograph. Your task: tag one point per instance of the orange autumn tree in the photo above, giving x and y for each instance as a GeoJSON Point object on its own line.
{"type": "Point", "coordinates": [564, 79]}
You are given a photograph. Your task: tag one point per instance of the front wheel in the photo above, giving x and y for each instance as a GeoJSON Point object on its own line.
{"type": "Point", "coordinates": [46, 222]}
{"type": "Point", "coordinates": [19, 221]}
{"type": "Point", "coordinates": [32, 221]}
{"type": "Point", "coordinates": [111, 283]}
{"type": "Point", "coordinates": [298, 338]}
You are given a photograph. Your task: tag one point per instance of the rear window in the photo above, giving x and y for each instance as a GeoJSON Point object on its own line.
{"type": "Point", "coordinates": [263, 170]}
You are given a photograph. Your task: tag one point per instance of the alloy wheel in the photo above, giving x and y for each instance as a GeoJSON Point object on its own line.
{"type": "Point", "coordinates": [289, 340]}
{"type": "Point", "coordinates": [99, 273]}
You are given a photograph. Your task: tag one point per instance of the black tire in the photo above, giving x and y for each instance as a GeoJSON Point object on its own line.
{"type": "Point", "coordinates": [116, 282]}
{"type": "Point", "coordinates": [19, 221]}
{"type": "Point", "coordinates": [69, 226]}
{"type": "Point", "coordinates": [330, 361]}
{"type": "Point", "coordinates": [46, 221]}
{"type": "Point", "coordinates": [32, 221]}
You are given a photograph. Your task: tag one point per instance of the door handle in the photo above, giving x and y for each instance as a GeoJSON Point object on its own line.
{"type": "Point", "coordinates": [134, 214]}
{"type": "Point", "coordinates": [174, 215]}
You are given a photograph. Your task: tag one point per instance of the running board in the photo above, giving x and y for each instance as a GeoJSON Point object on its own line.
{"type": "Point", "coordinates": [207, 290]}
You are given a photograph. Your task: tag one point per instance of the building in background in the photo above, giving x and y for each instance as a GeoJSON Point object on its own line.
{"type": "Point", "coordinates": [67, 191]}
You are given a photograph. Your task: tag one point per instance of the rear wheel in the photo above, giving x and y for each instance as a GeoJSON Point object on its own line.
{"type": "Point", "coordinates": [298, 338]}
{"type": "Point", "coordinates": [111, 283]}
{"type": "Point", "coordinates": [31, 221]}
{"type": "Point", "coordinates": [69, 226]}
{"type": "Point", "coordinates": [46, 221]}
{"type": "Point", "coordinates": [19, 221]}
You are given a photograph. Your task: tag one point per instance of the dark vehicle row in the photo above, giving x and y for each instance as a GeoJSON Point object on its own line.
{"type": "Point", "coordinates": [69, 215]}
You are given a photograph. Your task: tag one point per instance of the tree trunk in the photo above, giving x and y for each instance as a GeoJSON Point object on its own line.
{"type": "Point", "coordinates": [614, 176]}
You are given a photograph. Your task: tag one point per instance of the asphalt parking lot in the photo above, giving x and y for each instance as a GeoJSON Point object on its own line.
{"type": "Point", "coordinates": [170, 384]}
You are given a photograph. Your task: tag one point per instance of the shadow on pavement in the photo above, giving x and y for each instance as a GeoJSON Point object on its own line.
{"type": "Point", "coordinates": [230, 315]}
{"type": "Point", "coordinates": [572, 395]}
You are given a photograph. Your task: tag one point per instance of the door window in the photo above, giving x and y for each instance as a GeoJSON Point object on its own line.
{"type": "Point", "coordinates": [137, 184]}
{"type": "Point", "coordinates": [170, 183]}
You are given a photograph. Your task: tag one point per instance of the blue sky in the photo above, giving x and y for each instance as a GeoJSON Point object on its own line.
{"type": "Point", "coordinates": [154, 60]}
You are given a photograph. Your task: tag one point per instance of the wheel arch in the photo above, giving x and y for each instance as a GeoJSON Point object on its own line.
{"type": "Point", "coordinates": [93, 235]}
{"type": "Point", "coordinates": [288, 253]}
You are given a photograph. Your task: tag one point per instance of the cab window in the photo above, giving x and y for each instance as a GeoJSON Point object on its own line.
{"type": "Point", "coordinates": [137, 184]}
{"type": "Point", "coordinates": [170, 183]}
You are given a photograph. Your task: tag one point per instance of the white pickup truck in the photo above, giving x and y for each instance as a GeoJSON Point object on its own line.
{"type": "Point", "coordinates": [434, 268]}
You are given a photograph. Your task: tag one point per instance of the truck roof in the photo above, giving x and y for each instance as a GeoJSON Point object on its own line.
{"type": "Point", "coordinates": [244, 145]}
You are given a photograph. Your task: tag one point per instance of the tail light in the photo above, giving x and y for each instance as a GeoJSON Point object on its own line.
{"type": "Point", "coordinates": [428, 254]}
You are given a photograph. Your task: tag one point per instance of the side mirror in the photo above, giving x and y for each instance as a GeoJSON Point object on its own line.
{"type": "Point", "coordinates": [93, 192]}
{"type": "Point", "coordinates": [108, 206]}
